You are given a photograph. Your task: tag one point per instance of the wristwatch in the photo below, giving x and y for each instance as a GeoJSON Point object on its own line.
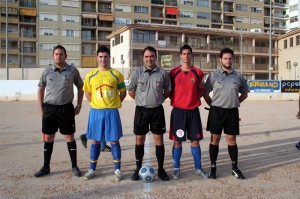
{"type": "Point", "coordinates": [78, 106]}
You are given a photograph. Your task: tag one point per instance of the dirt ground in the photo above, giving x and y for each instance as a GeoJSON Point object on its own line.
{"type": "Point", "coordinates": [267, 156]}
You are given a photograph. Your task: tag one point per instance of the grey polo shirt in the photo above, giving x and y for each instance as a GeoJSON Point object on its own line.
{"type": "Point", "coordinates": [59, 84]}
{"type": "Point", "coordinates": [149, 87]}
{"type": "Point", "coordinates": [226, 88]}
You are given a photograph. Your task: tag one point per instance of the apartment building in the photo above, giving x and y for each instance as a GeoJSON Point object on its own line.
{"type": "Point", "coordinates": [289, 59]}
{"type": "Point", "coordinates": [251, 49]}
{"type": "Point", "coordinates": [34, 27]}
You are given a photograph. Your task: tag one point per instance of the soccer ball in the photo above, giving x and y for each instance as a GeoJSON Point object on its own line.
{"type": "Point", "coordinates": [147, 174]}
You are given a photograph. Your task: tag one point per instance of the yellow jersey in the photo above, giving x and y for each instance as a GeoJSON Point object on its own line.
{"type": "Point", "coordinates": [105, 88]}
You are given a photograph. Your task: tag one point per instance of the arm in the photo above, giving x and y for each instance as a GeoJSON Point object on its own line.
{"type": "Point", "coordinates": [88, 96]}
{"type": "Point", "coordinates": [79, 100]}
{"type": "Point", "coordinates": [167, 94]}
{"type": "Point", "coordinates": [123, 95]}
{"type": "Point", "coordinates": [131, 94]}
{"type": "Point", "coordinates": [298, 115]}
{"type": "Point", "coordinates": [207, 98]}
{"type": "Point", "coordinates": [242, 97]}
{"type": "Point", "coordinates": [41, 93]}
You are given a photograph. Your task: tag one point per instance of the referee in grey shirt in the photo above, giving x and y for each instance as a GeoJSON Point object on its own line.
{"type": "Point", "coordinates": [58, 112]}
{"type": "Point", "coordinates": [229, 90]}
{"type": "Point", "coordinates": [149, 85]}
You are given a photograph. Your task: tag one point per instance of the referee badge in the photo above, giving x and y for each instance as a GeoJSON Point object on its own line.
{"type": "Point", "coordinates": [193, 80]}
{"type": "Point", "coordinates": [180, 133]}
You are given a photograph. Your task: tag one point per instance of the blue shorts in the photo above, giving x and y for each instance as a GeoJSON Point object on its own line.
{"type": "Point", "coordinates": [104, 125]}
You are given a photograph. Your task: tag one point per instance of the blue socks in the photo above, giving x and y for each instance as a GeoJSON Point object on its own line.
{"type": "Point", "coordinates": [176, 156]}
{"type": "Point", "coordinates": [116, 153]}
{"type": "Point", "coordinates": [94, 155]}
{"type": "Point", "coordinates": [196, 151]}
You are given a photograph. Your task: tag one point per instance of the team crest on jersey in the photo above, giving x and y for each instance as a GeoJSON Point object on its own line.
{"type": "Point", "coordinates": [193, 80]}
{"type": "Point", "coordinates": [180, 133]}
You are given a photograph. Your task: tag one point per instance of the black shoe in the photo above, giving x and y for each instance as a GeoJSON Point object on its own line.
{"type": "Point", "coordinates": [42, 172]}
{"type": "Point", "coordinates": [135, 176]}
{"type": "Point", "coordinates": [298, 146]}
{"type": "Point", "coordinates": [106, 149]}
{"type": "Point", "coordinates": [213, 173]}
{"type": "Point", "coordinates": [76, 171]}
{"type": "Point", "coordinates": [163, 175]}
{"type": "Point", "coordinates": [238, 174]}
{"type": "Point", "coordinates": [83, 140]}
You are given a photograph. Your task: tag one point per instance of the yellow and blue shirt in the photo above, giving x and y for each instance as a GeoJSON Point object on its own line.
{"type": "Point", "coordinates": [105, 88]}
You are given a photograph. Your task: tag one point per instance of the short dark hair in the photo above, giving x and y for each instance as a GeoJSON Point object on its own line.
{"type": "Point", "coordinates": [103, 49]}
{"type": "Point", "coordinates": [59, 47]}
{"type": "Point", "coordinates": [150, 48]}
{"type": "Point", "coordinates": [226, 50]}
{"type": "Point", "coordinates": [186, 47]}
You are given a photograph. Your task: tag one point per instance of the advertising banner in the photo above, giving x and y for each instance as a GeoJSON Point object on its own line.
{"type": "Point", "coordinates": [264, 86]}
{"type": "Point", "coordinates": [290, 86]}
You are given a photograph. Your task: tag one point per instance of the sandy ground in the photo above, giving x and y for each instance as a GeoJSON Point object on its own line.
{"type": "Point", "coordinates": [267, 156]}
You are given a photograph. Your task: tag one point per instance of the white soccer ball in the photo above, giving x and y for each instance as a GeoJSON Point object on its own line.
{"type": "Point", "coordinates": [147, 174]}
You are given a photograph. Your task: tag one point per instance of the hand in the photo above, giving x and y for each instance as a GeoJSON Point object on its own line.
{"type": "Point", "coordinates": [77, 110]}
{"type": "Point", "coordinates": [298, 115]}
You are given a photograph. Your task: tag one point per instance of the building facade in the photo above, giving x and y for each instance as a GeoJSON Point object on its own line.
{"type": "Point", "coordinates": [34, 27]}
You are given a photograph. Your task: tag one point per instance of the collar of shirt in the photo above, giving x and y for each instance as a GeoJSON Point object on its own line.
{"type": "Point", "coordinates": [57, 69]}
{"type": "Point", "coordinates": [222, 71]}
{"type": "Point", "coordinates": [149, 71]}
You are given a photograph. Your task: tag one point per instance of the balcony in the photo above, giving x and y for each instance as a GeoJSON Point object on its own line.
{"type": "Point", "coordinates": [215, 20]}
{"type": "Point", "coordinates": [28, 4]}
{"type": "Point", "coordinates": [157, 2]}
{"type": "Point", "coordinates": [171, 3]}
{"type": "Point", "coordinates": [28, 50]}
{"type": "Point", "coordinates": [27, 19]}
{"type": "Point", "coordinates": [216, 8]}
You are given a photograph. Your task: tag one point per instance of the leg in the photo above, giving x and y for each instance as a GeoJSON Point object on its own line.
{"type": "Point", "coordinates": [48, 148]}
{"type": "Point", "coordinates": [139, 154]}
{"type": "Point", "coordinates": [160, 156]}
{"type": "Point", "coordinates": [104, 147]}
{"type": "Point", "coordinates": [196, 152]}
{"type": "Point", "coordinates": [94, 155]}
{"type": "Point", "coordinates": [213, 153]}
{"type": "Point", "coordinates": [83, 140]}
{"type": "Point", "coordinates": [72, 148]}
{"type": "Point", "coordinates": [177, 155]}
{"type": "Point", "coordinates": [116, 153]}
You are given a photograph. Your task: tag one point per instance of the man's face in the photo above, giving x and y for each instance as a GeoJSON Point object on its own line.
{"type": "Point", "coordinates": [226, 60]}
{"type": "Point", "coordinates": [103, 59]}
{"type": "Point", "coordinates": [59, 57]}
{"type": "Point", "coordinates": [186, 56]}
{"type": "Point", "coordinates": [149, 59]}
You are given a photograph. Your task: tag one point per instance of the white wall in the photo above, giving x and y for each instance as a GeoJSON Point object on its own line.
{"type": "Point", "coordinates": [26, 90]}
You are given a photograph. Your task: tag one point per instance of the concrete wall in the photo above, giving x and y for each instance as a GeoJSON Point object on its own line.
{"type": "Point", "coordinates": [26, 90]}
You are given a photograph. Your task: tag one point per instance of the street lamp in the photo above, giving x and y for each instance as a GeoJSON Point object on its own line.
{"type": "Point", "coordinates": [295, 64]}
{"type": "Point", "coordinates": [122, 62]}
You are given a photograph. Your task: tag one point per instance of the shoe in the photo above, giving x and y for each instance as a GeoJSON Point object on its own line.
{"type": "Point", "coordinates": [163, 175]}
{"type": "Point", "coordinates": [106, 149]}
{"type": "Point", "coordinates": [76, 171]}
{"type": "Point", "coordinates": [238, 174]}
{"type": "Point", "coordinates": [135, 176]}
{"type": "Point", "coordinates": [83, 140]}
{"type": "Point", "coordinates": [89, 175]}
{"type": "Point", "coordinates": [298, 145]}
{"type": "Point", "coordinates": [213, 173]}
{"type": "Point", "coordinates": [119, 175]}
{"type": "Point", "coordinates": [176, 174]}
{"type": "Point", "coordinates": [42, 172]}
{"type": "Point", "coordinates": [202, 173]}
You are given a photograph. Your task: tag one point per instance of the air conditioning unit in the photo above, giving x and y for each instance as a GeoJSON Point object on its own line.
{"type": "Point", "coordinates": [255, 30]}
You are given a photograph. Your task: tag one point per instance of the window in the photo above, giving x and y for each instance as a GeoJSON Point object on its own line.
{"type": "Point", "coordinates": [241, 7]}
{"type": "Point", "coordinates": [186, 14]}
{"type": "Point", "coordinates": [288, 64]}
{"type": "Point", "coordinates": [117, 39]}
{"type": "Point", "coordinates": [291, 42]}
{"type": "Point", "coordinates": [72, 47]}
{"type": "Point", "coordinates": [256, 21]}
{"type": "Point", "coordinates": [256, 9]}
{"type": "Point", "coordinates": [122, 8]}
{"type": "Point", "coordinates": [294, 8]}
{"type": "Point", "coordinates": [203, 15]}
{"type": "Point", "coordinates": [298, 40]}
{"type": "Point", "coordinates": [70, 33]}
{"type": "Point", "coordinates": [122, 40]}
{"type": "Point", "coordinates": [48, 2]}
{"type": "Point", "coordinates": [293, 19]}
{"type": "Point", "coordinates": [187, 24]}
{"type": "Point", "coordinates": [144, 36]}
{"type": "Point", "coordinates": [47, 46]}
{"type": "Point", "coordinates": [70, 18]}
{"type": "Point", "coordinates": [73, 62]}
{"type": "Point", "coordinates": [241, 29]}
{"type": "Point", "coordinates": [141, 9]}
{"type": "Point", "coordinates": [140, 21]}
{"type": "Point", "coordinates": [72, 4]}
{"type": "Point", "coordinates": [187, 2]}
{"type": "Point", "coordinates": [45, 62]}
{"type": "Point", "coordinates": [48, 17]}
{"type": "Point", "coordinates": [242, 19]}
{"type": "Point", "coordinates": [122, 21]}
{"type": "Point", "coordinates": [202, 26]}
{"type": "Point", "coordinates": [285, 44]}
{"type": "Point", "coordinates": [203, 3]}
{"type": "Point", "coordinates": [48, 32]}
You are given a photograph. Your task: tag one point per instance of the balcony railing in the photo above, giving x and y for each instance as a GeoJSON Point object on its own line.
{"type": "Point", "coordinates": [28, 4]}
{"type": "Point", "coordinates": [216, 20]}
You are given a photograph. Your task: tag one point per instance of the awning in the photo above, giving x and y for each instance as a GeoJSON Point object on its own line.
{"type": "Point", "coordinates": [106, 17]}
{"type": "Point", "coordinates": [172, 11]}
{"type": "Point", "coordinates": [27, 12]}
{"type": "Point", "coordinates": [89, 16]}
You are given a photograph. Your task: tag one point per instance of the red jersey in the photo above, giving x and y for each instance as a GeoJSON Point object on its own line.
{"type": "Point", "coordinates": [186, 87]}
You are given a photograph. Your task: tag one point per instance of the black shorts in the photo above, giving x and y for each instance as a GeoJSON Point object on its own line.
{"type": "Point", "coordinates": [186, 124]}
{"type": "Point", "coordinates": [149, 117]}
{"type": "Point", "coordinates": [222, 118]}
{"type": "Point", "coordinates": [60, 117]}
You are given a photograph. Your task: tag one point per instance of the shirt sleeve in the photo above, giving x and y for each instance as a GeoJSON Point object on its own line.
{"type": "Point", "coordinates": [167, 82]}
{"type": "Point", "coordinates": [77, 79]}
{"type": "Point", "coordinates": [86, 86]}
{"type": "Point", "coordinates": [43, 82]}
{"type": "Point", "coordinates": [133, 81]}
{"type": "Point", "coordinates": [208, 84]}
{"type": "Point", "coordinates": [244, 88]}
